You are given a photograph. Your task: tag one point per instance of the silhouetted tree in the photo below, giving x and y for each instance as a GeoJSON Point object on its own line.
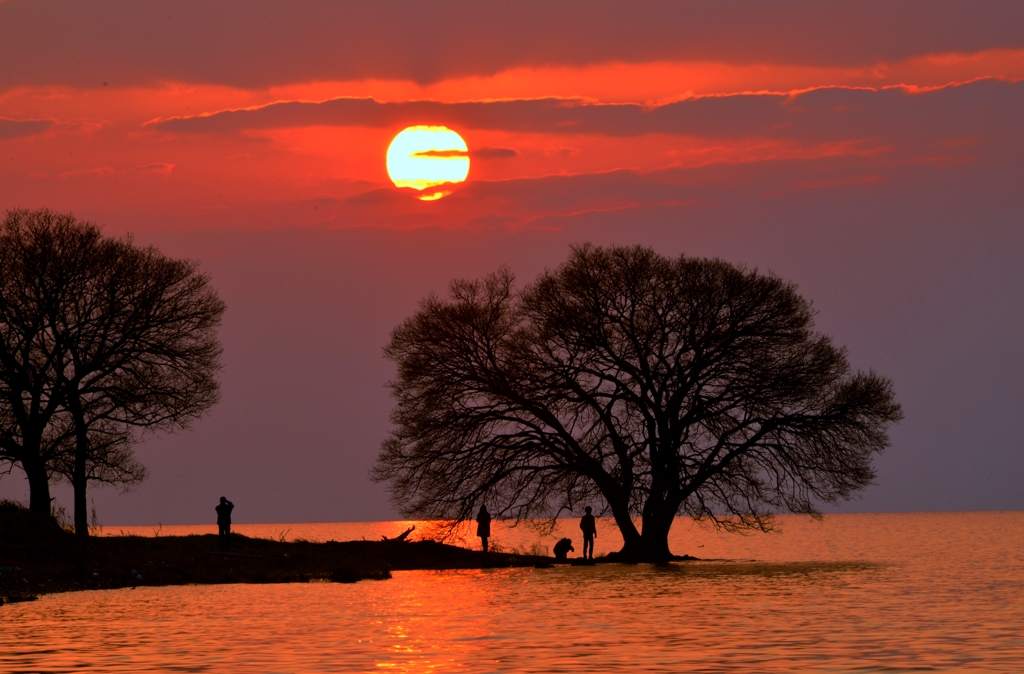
{"type": "Point", "coordinates": [133, 338]}
{"type": "Point", "coordinates": [109, 457]}
{"type": "Point", "coordinates": [654, 386]}
{"type": "Point", "coordinates": [31, 356]}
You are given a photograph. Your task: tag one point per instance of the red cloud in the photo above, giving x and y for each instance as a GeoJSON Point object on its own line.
{"type": "Point", "coordinates": [20, 128]}
{"type": "Point", "coordinates": [818, 115]}
{"type": "Point", "coordinates": [127, 43]}
{"type": "Point", "coordinates": [494, 153]}
{"type": "Point", "coordinates": [482, 153]}
{"type": "Point", "coordinates": [441, 153]}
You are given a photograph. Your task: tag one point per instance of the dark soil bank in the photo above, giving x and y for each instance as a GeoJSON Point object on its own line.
{"type": "Point", "coordinates": [38, 557]}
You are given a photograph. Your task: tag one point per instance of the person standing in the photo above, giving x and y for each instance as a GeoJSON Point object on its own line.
{"type": "Point", "coordinates": [483, 526]}
{"type": "Point", "coordinates": [589, 528]}
{"type": "Point", "coordinates": [224, 521]}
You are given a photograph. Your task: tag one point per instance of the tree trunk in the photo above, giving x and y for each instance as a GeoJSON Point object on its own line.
{"type": "Point", "coordinates": [631, 539]}
{"type": "Point", "coordinates": [655, 536]}
{"type": "Point", "coordinates": [39, 500]}
{"type": "Point", "coordinates": [80, 478]}
{"type": "Point", "coordinates": [650, 544]}
{"type": "Point", "coordinates": [80, 482]}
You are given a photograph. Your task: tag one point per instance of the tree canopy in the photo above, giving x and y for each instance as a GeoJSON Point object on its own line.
{"type": "Point", "coordinates": [98, 338]}
{"type": "Point", "coordinates": [647, 386]}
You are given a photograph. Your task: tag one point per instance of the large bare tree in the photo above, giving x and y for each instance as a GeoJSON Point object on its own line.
{"type": "Point", "coordinates": [134, 338]}
{"type": "Point", "coordinates": [31, 355]}
{"type": "Point", "coordinates": [142, 353]}
{"type": "Point", "coordinates": [649, 386]}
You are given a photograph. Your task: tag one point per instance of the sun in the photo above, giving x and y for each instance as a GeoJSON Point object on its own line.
{"type": "Point", "coordinates": [429, 159]}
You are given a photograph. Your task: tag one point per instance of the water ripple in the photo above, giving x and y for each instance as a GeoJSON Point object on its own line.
{"type": "Point", "coordinates": [881, 593]}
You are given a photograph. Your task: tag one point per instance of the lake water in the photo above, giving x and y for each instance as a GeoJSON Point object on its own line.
{"type": "Point", "coordinates": [934, 592]}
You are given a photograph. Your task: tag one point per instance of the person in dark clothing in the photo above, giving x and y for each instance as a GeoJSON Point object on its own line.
{"type": "Point", "coordinates": [224, 521]}
{"type": "Point", "coordinates": [483, 526]}
{"type": "Point", "coordinates": [589, 528]}
{"type": "Point", "coordinates": [563, 548]}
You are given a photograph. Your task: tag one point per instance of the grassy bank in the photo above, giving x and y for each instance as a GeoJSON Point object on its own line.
{"type": "Point", "coordinates": [38, 557]}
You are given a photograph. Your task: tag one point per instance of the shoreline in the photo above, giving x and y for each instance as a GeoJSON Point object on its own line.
{"type": "Point", "coordinates": [64, 563]}
{"type": "Point", "coordinates": [38, 557]}
{"type": "Point", "coordinates": [61, 562]}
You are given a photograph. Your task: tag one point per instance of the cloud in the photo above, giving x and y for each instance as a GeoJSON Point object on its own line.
{"type": "Point", "coordinates": [160, 168]}
{"type": "Point", "coordinates": [17, 128]}
{"type": "Point", "coordinates": [155, 168]}
{"type": "Point", "coordinates": [259, 43]}
{"type": "Point", "coordinates": [494, 153]}
{"type": "Point", "coordinates": [379, 196]}
{"type": "Point", "coordinates": [482, 153]}
{"type": "Point", "coordinates": [93, 172]}
{"type": "Point", "coordinates": [442, 154]}
{"type": "Point", "coordinates": [528, 202]}
{"type": "Point", "coordinates": [817, 115]}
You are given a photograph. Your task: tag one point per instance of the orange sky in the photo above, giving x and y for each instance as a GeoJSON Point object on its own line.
{"type": "Point", "coordinates": [870, 151]}
{"type": "Point", "coordinates": [101, 143]}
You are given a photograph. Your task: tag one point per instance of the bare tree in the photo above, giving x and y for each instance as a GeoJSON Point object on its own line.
{"type": "Point", "coordinates": [142, 351]}
{"type": "Point", "coordinates": [32, 247]}
{"type": "Point", "coordinates": [134, 334]}
{"type": "Point", "coordinates": [651, 386]}
{"type": "Point", "coordinates": [108, 456]}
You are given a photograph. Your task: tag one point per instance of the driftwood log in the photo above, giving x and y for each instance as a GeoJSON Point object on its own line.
{"type": "Point", "coordinates": [402, 537]}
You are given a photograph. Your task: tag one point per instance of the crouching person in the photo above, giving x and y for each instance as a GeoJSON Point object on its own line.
{"type": "Point", "coordinates": [563, 548]}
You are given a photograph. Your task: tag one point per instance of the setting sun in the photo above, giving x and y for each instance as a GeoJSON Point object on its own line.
{"type": "Point", "coordinates": [429, 159]}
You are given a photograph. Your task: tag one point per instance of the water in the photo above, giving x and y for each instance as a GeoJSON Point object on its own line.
{"type": "Point", "coordinates": [856, 593]}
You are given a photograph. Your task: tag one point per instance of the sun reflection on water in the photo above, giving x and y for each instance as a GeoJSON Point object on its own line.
{"type": "Point", "coordinates": [864, 592]}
